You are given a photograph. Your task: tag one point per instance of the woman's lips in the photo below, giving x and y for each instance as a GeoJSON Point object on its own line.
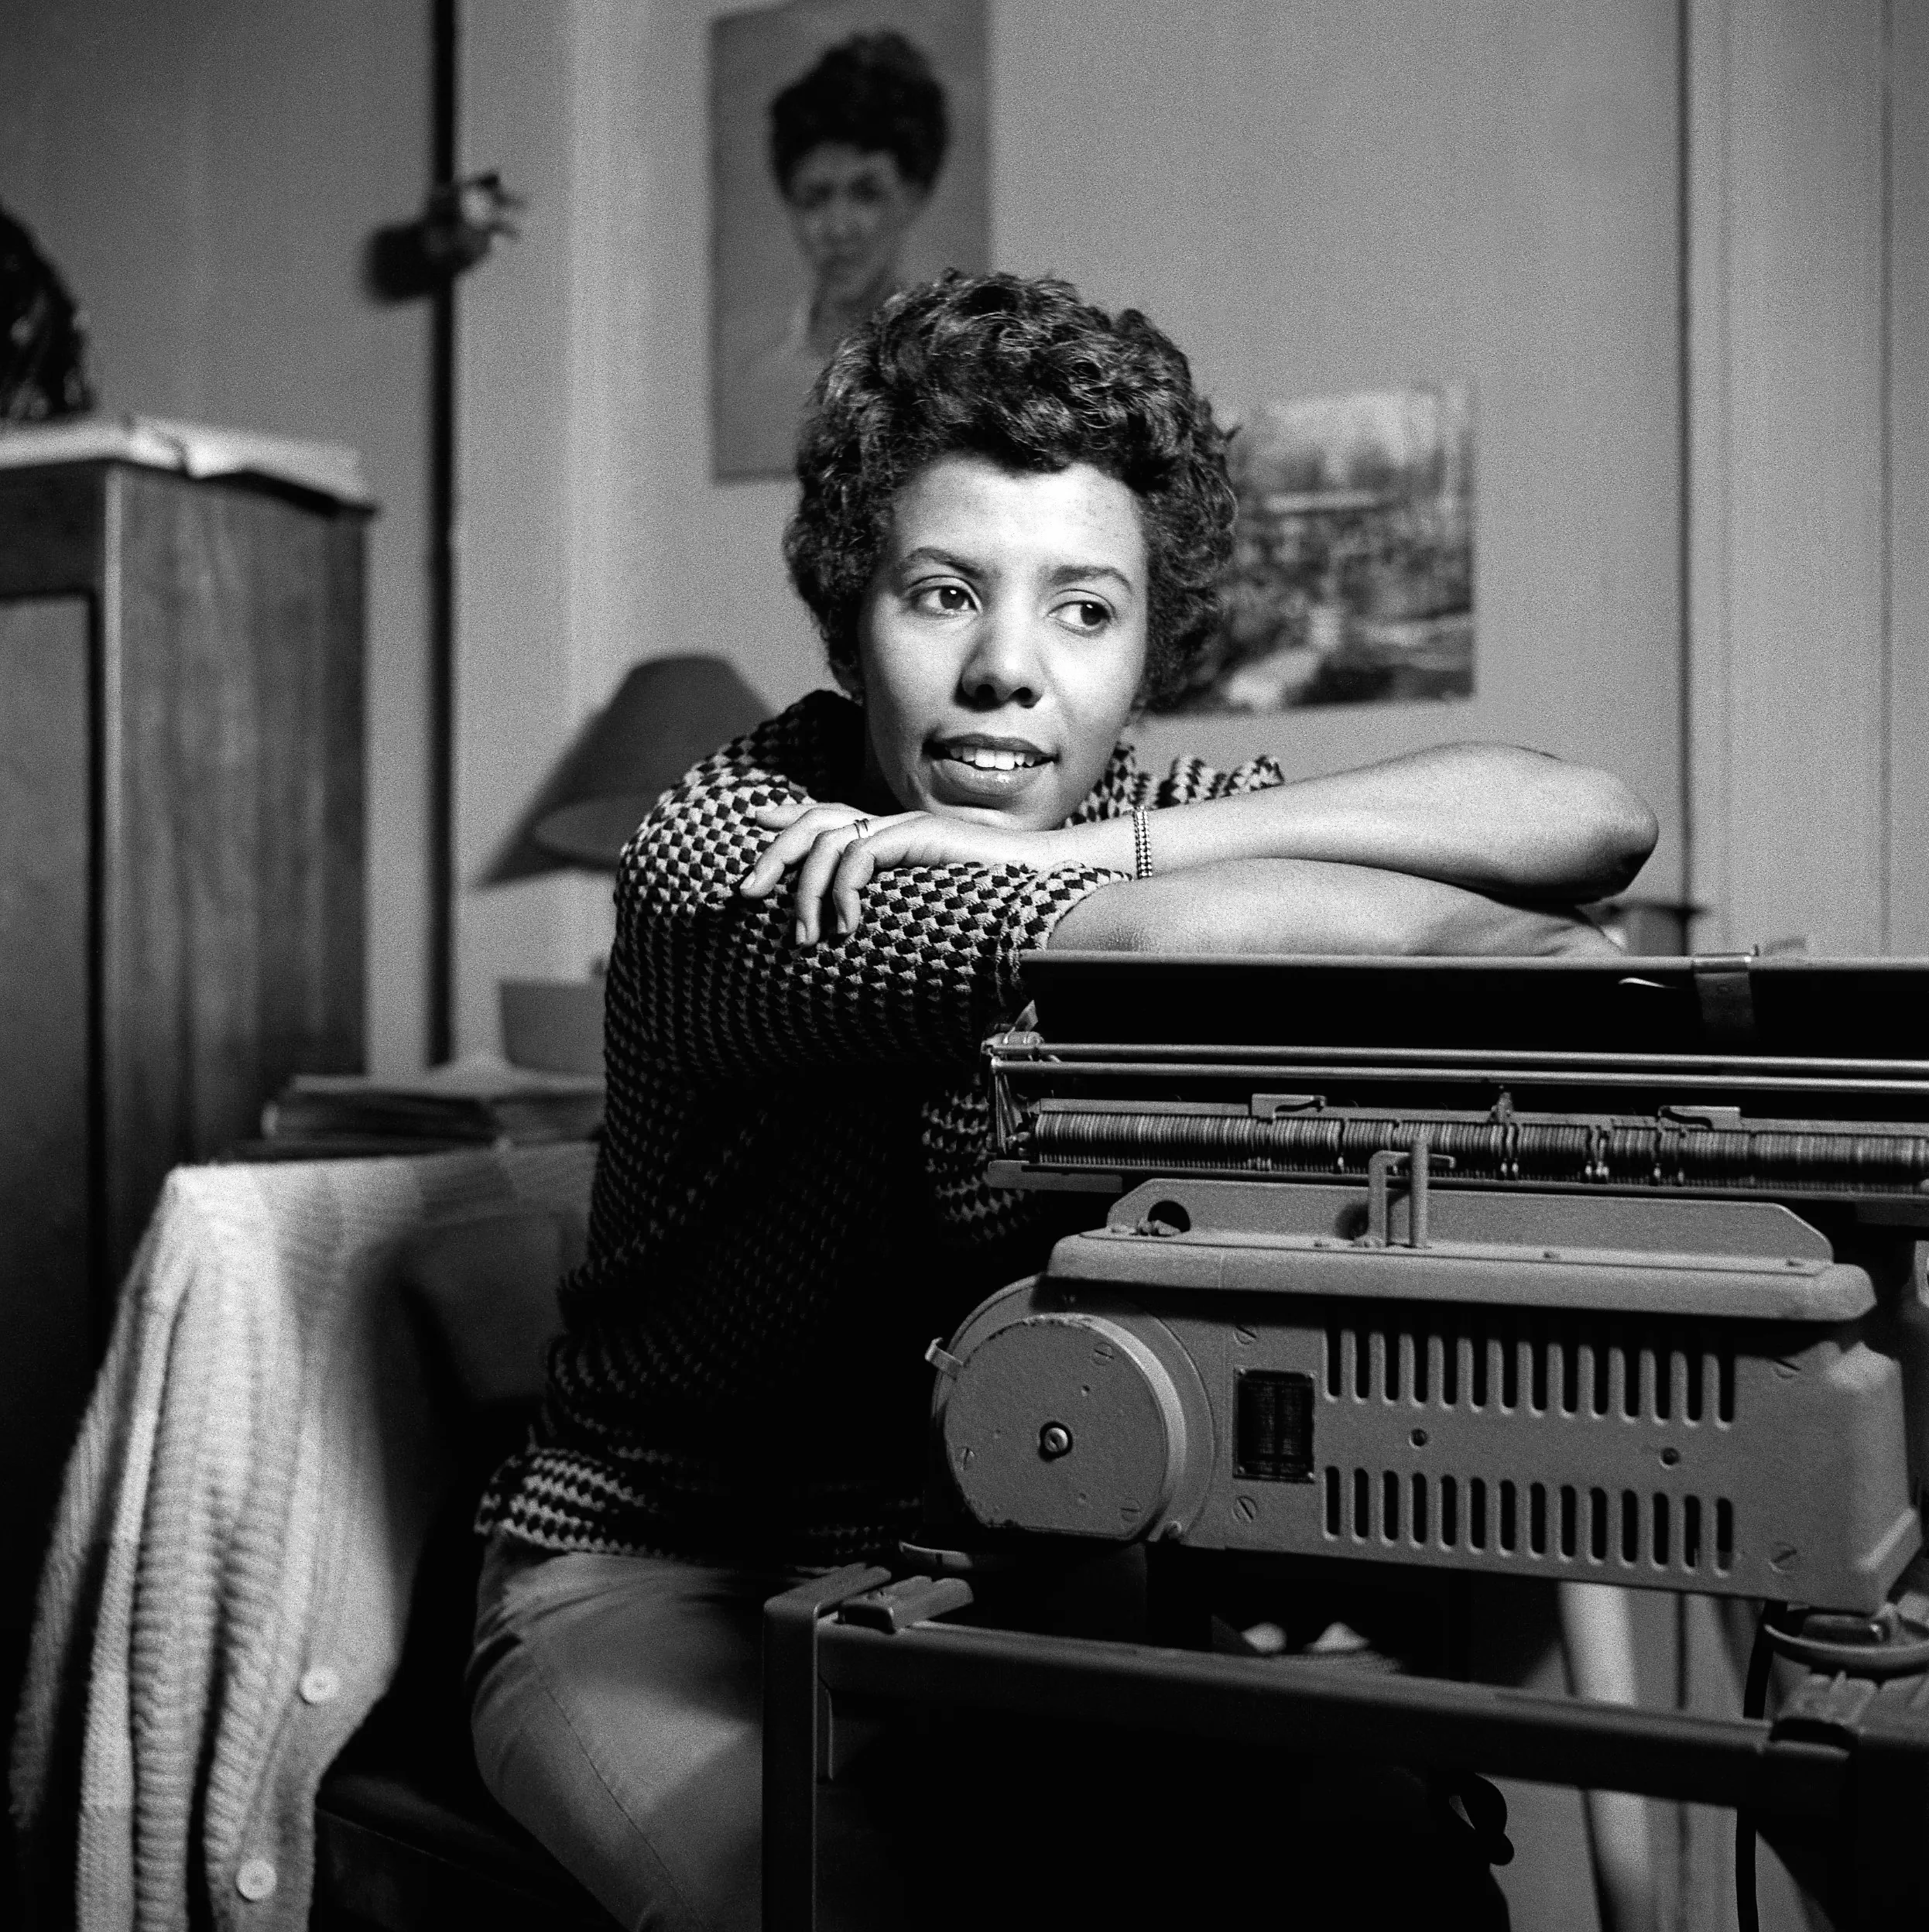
{"type": "Point", "coordinates": [984, 771]}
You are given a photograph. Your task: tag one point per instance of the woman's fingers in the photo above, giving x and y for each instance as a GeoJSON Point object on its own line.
{"type": "Point", "coordinates": [876, 846]}
{"type": "Point", "coordinates": [799, 826]}
{"type": "Point", "coordinates": [814, 882]}
{"type": "Point", "coordinates": [855, 864]}
{"type": "Point", "coordinates": [818, 840]}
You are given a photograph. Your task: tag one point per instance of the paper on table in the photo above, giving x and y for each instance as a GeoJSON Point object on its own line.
{"type": "Point", "coordinates": [191, 449]}
{"type": "Point", "coordinates": [475, 1076]}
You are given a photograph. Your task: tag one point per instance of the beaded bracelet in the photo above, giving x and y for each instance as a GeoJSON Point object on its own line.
{"type": "Point", "coordinates": [1141, 843]}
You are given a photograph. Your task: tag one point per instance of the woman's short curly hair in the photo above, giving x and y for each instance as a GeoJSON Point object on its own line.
{"type": "Point", "coordinates": [875, 92]}
{"type": "Point", "coordinates": [1026, 373]}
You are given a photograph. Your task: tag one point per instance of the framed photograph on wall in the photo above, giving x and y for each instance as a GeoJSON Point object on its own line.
{"type": "Point", "coordinates": [1352, 579]}
{"type": "Point", "coordinates": [848, 159]}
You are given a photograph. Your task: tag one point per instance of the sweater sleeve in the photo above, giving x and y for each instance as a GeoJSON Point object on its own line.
{"type": "Point", "coordinates": [712, 984]}
{"type": "Point", "coordinates": [1191, 779]}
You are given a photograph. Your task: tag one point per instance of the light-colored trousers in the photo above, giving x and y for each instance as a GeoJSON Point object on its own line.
{"type": "Point", "coordinates": [615, 1707]}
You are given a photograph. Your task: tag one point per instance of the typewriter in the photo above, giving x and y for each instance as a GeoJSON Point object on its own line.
{"type": "Point", "coordinates": [1605, 1272]}
{"type": "Point", "coordinates": [1591, 1270]}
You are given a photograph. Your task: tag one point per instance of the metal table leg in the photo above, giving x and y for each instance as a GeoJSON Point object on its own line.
{"type": "Point", "coordinates": [793, 1736]}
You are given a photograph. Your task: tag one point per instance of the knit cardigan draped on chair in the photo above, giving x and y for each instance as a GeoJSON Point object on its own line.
{"type": "Point", "coordinates": [229, 1578]}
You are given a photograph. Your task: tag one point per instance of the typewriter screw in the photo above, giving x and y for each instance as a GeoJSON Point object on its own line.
{"type": "Point", "coordinates": [1418, 1438]}
{"type": "Point", "coordinates": [1054, 1440]}
{"type": "Point", "coordinates": [1670, 1457]}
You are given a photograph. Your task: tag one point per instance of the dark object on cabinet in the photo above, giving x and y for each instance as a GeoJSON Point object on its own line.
{"type": "Point", "coordinates": [180, 883]}
{"type": "Point", "coordinates": [42, 334]}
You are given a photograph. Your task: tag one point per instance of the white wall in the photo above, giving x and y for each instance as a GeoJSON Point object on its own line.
{"type": "Point", "coordinates": [1309, 197]}
{"type": "Point", "coordinates": [1316, 198]}
{"type": "Point", "coordinates": [204, 176]}
{"type": "Point", "coordinates": [1906, 348]}
{"type": "Point", "coordinates": [515, 672]}
{"type": "Point", "coordinates": [1803, 756]}
{"type": "Point", "coordinates": [591, 535]}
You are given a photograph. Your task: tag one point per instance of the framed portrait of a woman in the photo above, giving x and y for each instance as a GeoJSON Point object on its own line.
{"type": "Point", "coordinates": [847, 160]}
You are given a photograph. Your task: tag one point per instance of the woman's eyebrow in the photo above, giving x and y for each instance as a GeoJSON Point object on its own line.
{"type": "Point", "coordinates": [951, 560]}
{"type": "Point", "coordinates": [1063, 574]}
{"type": "Point", "coordinates": [1055, 578]}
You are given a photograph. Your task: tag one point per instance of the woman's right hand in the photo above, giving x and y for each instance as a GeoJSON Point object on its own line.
{"type": "Point", "coordinates": [836, 850]}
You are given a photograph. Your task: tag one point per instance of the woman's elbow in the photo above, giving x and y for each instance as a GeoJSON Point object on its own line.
{"type": "Point", "coordinates": [1624, 831]}
{"type": "Point", "coordinates": [1587, 834]}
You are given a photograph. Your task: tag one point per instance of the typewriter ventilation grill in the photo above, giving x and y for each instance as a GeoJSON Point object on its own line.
{"type": "Point", "coordinates": [1561, 1523]}
{"type": "Point", "coordinates": [1544, 1368]}
{"type": "Point", "coordinates": [1544, 1365]}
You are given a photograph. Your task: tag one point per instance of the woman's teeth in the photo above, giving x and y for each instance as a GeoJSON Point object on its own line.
{"type": "Point", "coordinates": [986, 759]}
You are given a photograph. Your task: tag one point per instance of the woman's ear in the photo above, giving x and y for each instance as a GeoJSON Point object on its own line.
{"type": "Point", "coordinates": [850, 678]}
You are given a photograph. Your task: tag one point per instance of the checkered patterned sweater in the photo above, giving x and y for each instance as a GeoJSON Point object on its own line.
{"type": "Point", "coordinates": [789, 1202]}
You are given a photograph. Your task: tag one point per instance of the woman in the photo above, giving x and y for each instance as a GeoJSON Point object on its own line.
{"type": "Point", "coordinates": [856, 147]}
{"type": "Point", "coordinates": [1013, 516]}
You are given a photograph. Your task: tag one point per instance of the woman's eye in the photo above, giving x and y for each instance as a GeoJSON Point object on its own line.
{"type": "Point", "coordinates": [1085, 614]}
{"type": "Point", "coordinates": [942, 600]}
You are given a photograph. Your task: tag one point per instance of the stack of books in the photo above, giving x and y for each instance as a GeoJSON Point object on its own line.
{"type": "Point", "coordinates": [478, 1101]}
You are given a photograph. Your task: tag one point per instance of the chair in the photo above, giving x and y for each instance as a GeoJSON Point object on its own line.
{"type": "Point", "coordinates": [406, 1837]}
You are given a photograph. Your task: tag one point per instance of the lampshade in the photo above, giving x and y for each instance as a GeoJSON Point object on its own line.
{"type": "Point", "coordinates": [667, 713]}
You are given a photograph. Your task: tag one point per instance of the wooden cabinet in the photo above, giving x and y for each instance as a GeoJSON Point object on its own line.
{"type": "Point", "coordinates": [180, 878]}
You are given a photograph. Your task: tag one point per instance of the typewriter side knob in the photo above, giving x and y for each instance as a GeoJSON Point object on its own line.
{"type": "Point", "coordinates": [1067, 1424]}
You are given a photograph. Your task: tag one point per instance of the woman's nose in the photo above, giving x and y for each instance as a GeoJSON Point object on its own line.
{"type": "Point", "coordinates": [843, 219]}
{"type": "Point", "coordinates": [1005, 666]}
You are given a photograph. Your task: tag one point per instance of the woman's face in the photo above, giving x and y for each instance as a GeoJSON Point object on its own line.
{"type": "Point", "coordinates": [1002, 639]}
{"type": "Point", "coordinates": [850, 209]}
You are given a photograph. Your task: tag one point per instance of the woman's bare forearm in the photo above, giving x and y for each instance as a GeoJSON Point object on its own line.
{"type": "Point", "coordinates": [1312, 907]}
{"type": "Point", "coordinates": [1490, 817]}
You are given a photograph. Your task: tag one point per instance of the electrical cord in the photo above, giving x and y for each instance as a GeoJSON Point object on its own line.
{"type": "Point", "coordinates": [1748, 1916]}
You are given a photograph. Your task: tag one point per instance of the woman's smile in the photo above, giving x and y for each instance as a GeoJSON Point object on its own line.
{"type": "Point", "coordinates": [980, 770]}
{"type": "Point", "coordinates": [1003, 639]}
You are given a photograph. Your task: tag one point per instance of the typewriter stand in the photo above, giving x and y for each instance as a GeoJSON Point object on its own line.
{"type": "Point", "coordinates": [1839, 1780]}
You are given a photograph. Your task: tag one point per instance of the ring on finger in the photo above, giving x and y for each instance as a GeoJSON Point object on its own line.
{"type": "Point", "coordinates": [861, 827]}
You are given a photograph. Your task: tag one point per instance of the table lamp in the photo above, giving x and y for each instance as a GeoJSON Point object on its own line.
{"type": "Point", "coordinates": [666, 714]}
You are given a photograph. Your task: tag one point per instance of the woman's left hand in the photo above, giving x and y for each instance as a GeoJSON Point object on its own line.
{"type": "Point", "coordinates": [836, 849]}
